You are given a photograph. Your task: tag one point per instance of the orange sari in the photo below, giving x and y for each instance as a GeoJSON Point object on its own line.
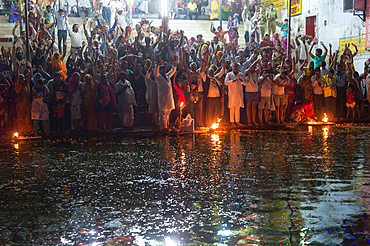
{"type": "Point", "coordinates": [59, 66]}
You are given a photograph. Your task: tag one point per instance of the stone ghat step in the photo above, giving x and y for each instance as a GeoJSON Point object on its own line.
{"type": "Point", "coordinates": [191, 28]}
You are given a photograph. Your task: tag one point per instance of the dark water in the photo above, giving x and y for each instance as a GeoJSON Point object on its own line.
{"type": "Point", "coordinates": [227, 188]}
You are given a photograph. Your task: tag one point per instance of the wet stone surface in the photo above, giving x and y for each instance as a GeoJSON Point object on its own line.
{"type": "Point", "coordinates": [221, 188]}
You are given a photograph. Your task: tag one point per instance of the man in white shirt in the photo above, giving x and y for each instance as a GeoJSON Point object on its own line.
{"type": "Point", "coordinates": [61, 18]}
{"type": "Point", "coordinates": [281, 80]}
{"type": "Point", "coordinates": [76, 38]}
{"type": "Point", "coordinates": [252, 95]}
{"type": "Point", "coordinates": [21, 41]}
{"type": "Point", "coordinates": [165, 95]}
{"type": "Point", "coordinates": [235, 81]}
{"type": "Point", "coordinates": [304, 47]}
{"type": "Point", "coordinates": [213, 93]}
{"type": "Point", "coordinates": [247, 21]}
{"type": "Point", "coordinates": [121, 18]}
{"type": "Point", "coordinates": [144, 7]}
{"type": "Point", "coordinates": [265, 83]}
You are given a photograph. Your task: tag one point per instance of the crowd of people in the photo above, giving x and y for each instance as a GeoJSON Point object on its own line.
{"type": "Point", "coordinates": [155, 75]}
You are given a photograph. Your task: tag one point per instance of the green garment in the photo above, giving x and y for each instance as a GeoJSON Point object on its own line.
{"type": "Point", "coordinates": [272, 14]}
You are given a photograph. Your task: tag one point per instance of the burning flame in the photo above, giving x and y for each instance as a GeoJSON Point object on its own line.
{"type": "Point", "coordinates": [182, 104]}
{"type": "Point", "coordinates": [325, 119]}
{"type": "Point", "coordinates": [215, 125]}
{"type": "Point", "coordinates": [16, 135]}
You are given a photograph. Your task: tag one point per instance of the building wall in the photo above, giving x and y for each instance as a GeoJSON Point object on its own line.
{"type": "Point", "coordinates": [338, 25]}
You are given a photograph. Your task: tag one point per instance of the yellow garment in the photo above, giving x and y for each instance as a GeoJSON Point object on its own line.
{"type": "Point", "coordinates": [192, 6]}
{"type": "Point", "coordinates": [22, 104]}
{"type": "Point", "coordinates": [59, 66]}
{"type": "Point", "coordinates": [330, 92]}
{"type": "Point", "coordinates": [214, 10]}
{"type": "Point", "coordinates": [226, 8]}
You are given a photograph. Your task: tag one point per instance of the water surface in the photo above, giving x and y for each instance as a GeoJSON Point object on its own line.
{"type": "Point", "coordinates": [222, 188]}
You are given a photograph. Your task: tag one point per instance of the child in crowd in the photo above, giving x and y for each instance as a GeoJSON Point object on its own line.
{"type": "Point", "coordinates": [59, 110]}
{"type": "Point", "coordinates": [284, 28]}
{"type": "Point", "coordinates": [351, 95]}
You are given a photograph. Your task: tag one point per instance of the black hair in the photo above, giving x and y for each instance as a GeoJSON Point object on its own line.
{"type": "Point", "coordinates": [285, 72]}
{"type": "Point", "coordinates": [317, 69]}
{"type": "Point", "coordinates": [319, 50]}
{"type": "Point", "coordinates": [286, 20]}
{"type": "Point", "coordinates": [60, 101]}
{"type": "Point", "coordinates": [323, 64]}
{"type": "Point", "coordinates": [331, 70]}
{"type": "Point", "coordinates": [58, 74]}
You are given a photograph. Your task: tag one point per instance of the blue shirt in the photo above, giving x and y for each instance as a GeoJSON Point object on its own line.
{"type": "Point", "coordinates": [341, 78]}
{"type": "Point", "coordinates": [284, 28]}
{"type": "Point", "coordinates": [61, 20]}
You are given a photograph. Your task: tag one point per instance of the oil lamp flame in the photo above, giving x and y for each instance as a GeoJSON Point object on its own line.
{"type": "Point", "coordinates": [216, 124]}
{"type": "Point", "coordinates": [16, 135]}
{"type": "Point", "coordinates": [325, 119]}
{"type": "Point", "coordinates": [182, 104]}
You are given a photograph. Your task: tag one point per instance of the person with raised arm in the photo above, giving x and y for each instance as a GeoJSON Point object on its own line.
{"type": "Point", "coordinates": [165, 95]}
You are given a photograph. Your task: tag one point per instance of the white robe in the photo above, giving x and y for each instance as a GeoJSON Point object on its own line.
{"type": "Point", "coordinates": [165, 94]}
{"type": "Point", "coordinates": [121, 19]}
{"type": "Point", "coordinates": [151, 95]}
{"type": "Point", "coordinates": [235, 89]}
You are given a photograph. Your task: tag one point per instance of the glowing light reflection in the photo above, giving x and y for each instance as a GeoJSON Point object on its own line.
{"type": "Point", "coordinates": [215, 138]}
{"type": "Point", "coordinates": [310, 129]}
{"type": "Point", "coordinates": [325, 119]}
{"type": "Point", "coordinates": [225, 233]}
{"type": "Point", "coordinates": [170, 242]}
{"type": "Point", "coordinates": [325, 131]}
{"type": "Point", "coordinates": [216, 124]}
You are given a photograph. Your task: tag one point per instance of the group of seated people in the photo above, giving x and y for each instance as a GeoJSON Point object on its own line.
{"type": "Point", "coordinates": [155, 76]}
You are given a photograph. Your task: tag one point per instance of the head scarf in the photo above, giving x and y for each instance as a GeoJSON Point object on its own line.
{"type": "Point", "coordinates": [107, 94]}
{"type": "Point", "coordinates": [58, 65]}
{"type": "Point", "coordinates": [73, 82]}
{"type": "Point", "coordinates": [122, 76]}
{"type": "Point", "coordinates": [219, 53]}
{"type": "Point", "coordinates": [33, 81]}
{"type": "Point", "coordinates": [147, 64]}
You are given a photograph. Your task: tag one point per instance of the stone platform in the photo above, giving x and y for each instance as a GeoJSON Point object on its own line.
{"type": "Point", "coordinates": [190, 27]}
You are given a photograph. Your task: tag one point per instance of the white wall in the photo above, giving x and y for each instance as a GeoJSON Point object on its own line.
{"type": "Point", "coordinates": [338, 24]}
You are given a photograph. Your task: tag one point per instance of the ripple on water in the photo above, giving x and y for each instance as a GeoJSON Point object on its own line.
{"type": "Point", "coordinates": [225, 188]}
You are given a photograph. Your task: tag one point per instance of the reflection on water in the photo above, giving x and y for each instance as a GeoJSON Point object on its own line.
{"type": "Point", "coordinates": [223, 188]}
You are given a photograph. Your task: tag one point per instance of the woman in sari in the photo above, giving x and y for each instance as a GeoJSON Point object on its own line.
{"type": "Point", "coordinates": [106, 103]}
{"type": "Point", "coordinates": [284, 46]}
{"type": "Point", "coordinates": [5, 88]}
{"type": "Point", "coordinates": [23, 101]}
{"type": "Point", "coordinates": [226, 10]}
{"type": "Point", "coordinates": [89, 104]}
{"type": "Point", "coordinates": [305, 81]}
{"type": "Point", "coordinates": [75, 91]}
{"type": "Point", "coordinates": [233, 31]}
{"type": "Point", "coordinates": [58, 65]}
{"type": "Point", "coordinates": [215, 9]}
